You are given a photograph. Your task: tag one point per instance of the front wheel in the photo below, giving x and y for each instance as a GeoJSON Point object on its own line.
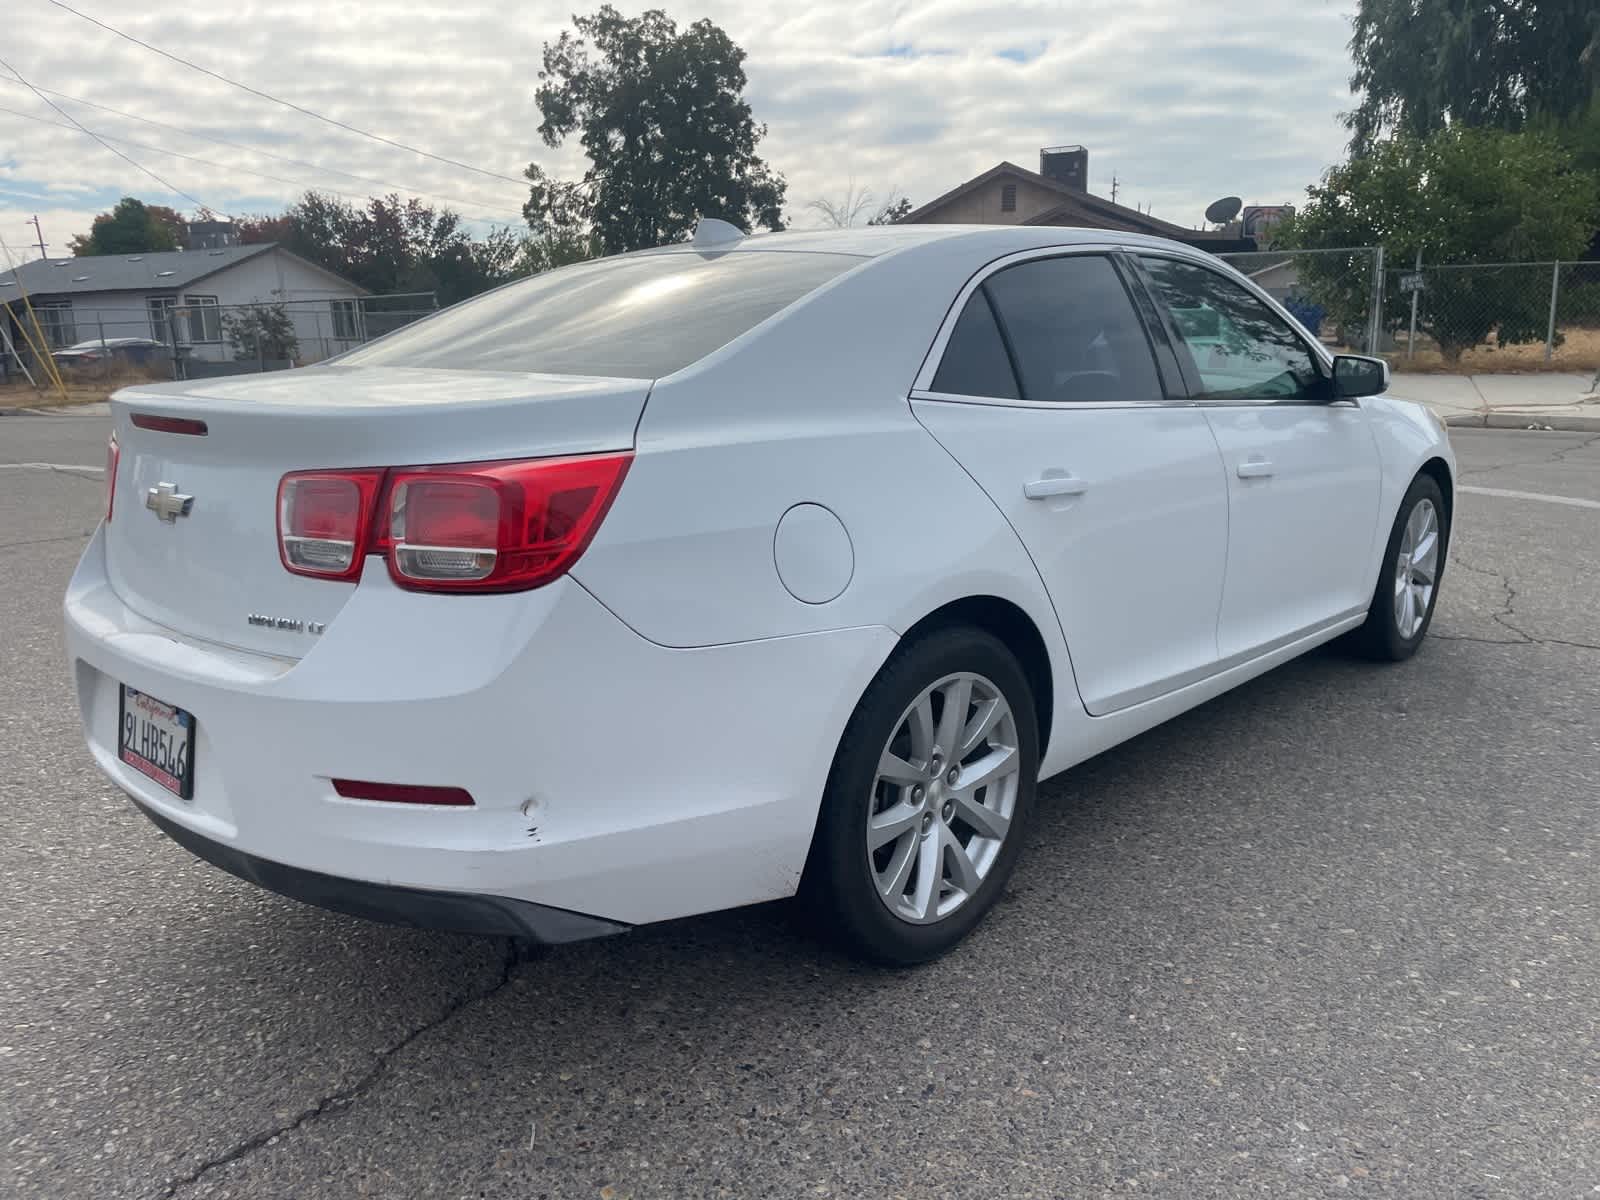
{"type": "Point", "coordinates": [1408, 582]}
{"type": "Point", "coordinates": [927, 800]}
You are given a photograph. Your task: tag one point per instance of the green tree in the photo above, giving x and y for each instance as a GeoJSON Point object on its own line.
{"type": "Point", "coordinates": [132, 227]}
{"type": "Point", "coordinates": [1459, 196]}
{"type": "Point", "coordinates": [390, 245]}
{"type": "Point", "coordinates": [895, 208]}
{"type": "Point", "coordinates": [662, 116]}
{"type": "Point", "coordinates": [261, 332]}
{"type": "Point", "coordinates": [1423, 64]}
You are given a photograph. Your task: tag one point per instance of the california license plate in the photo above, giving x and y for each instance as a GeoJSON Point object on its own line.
{"type": "Point", "coordinates": [157, 740]}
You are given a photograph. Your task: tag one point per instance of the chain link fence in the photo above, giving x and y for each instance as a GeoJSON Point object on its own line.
{"type": "Point", "coordinates": [1480, 317]}
{"type": "Point", "coordinates": [173, 338]}
{"type": "Point", "coordinates": [1473, 317]}
{"type": "Point", "coordinates": [1337, 294]}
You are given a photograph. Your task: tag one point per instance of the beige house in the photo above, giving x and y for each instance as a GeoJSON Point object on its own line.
{"type": "Point", "coordinates": [1057, 194]}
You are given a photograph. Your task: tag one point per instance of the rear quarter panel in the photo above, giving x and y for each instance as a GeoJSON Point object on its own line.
{"type": "Point", "coordinates": [811, 407]}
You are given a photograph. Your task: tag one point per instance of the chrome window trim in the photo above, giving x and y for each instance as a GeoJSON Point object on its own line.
{"type": "Point", "coordinates": [1051, 405]}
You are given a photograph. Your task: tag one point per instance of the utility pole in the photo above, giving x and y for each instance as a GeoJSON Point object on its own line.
{"type": "Point", "coordinates": [1113, 187]}
{"type": "Point", "coordinates": [39, 233]}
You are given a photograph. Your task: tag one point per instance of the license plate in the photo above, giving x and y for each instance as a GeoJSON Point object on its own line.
{"type": "Point", "coordinates": [157, 740]}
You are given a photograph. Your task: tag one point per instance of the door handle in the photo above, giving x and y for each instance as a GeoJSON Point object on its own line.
{"type": "Point", "coordinates": [1255, 468]}
{"type": "Point", "coordinates": [1055, 485]}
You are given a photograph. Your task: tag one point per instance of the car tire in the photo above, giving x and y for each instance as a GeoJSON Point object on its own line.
{"type": "Point", "coordinates": [926, 814]}
{"type": "Point", "coordinates": [1402, 607]}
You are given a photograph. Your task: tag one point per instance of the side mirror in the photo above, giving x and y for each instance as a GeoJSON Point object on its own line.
{"type": "Point", "coordinates": [1357, 375]}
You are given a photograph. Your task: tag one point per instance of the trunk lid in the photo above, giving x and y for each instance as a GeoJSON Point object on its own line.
{"type": "Point", "coordinates": [204, 574]}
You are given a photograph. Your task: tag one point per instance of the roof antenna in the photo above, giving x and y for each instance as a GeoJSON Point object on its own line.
{"type": "Point", "coordinates": [709, 232]}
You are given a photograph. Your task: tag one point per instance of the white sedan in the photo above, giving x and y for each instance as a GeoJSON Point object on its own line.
{"type": "Point", "coordinates": [708, 575]}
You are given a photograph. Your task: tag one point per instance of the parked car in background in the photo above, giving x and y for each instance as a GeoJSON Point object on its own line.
{"type": "Point", "coordinates": [133, 351]}
{"type": "Point", "coordinates": [711, 574]}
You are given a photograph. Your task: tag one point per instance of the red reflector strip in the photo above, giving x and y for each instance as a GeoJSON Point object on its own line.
{"type": "Point", "coordinates": [169, 424]}
{"type": "Point", "coordinates": [402, 793]}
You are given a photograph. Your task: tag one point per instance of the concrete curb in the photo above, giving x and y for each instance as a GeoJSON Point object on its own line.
{"type": "Point", "coordinates": [1494, 420]}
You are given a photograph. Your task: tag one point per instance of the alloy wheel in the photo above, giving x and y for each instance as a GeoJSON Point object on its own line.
{"type": "Point", "coordinates": [943, 798]}
{"type": "Point", "coordinates": [1416, 569]}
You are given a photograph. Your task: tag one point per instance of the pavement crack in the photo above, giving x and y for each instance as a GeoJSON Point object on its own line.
{"type": "Point", "coordinates": [70, 537]}
{"type": "Point", "coordinates": [1561, 455]}
{"type": "Point", "coordinates": [341, 1100]}
{"type": "Point", "coordinates": [1558, 455]}
{"type": "Point", "coordinates": [1508, 610]}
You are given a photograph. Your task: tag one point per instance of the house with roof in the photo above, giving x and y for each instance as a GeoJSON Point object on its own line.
{"type": "Point", "coordinates": [177, 297]}
{"type": "Point", "coordinates": [1058, 194]}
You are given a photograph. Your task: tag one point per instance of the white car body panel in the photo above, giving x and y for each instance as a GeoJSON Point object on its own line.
{"type": "Point", "coordinates": [1152, 481]}
{"type": "Point", "coordinates": [511, 706]}
{"type": "Point", "coordinates": [650, 736]}
{"type": "Point", "coordinates": [1303, 504]}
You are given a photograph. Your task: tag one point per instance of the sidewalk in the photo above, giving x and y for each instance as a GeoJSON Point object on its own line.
{"type": "Point", "coordinates": [1540, 401]}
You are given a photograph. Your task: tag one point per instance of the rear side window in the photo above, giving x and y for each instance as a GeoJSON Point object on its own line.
{"type": "Point", "coordinates": [975, 361]}
{"type": "Point", "coordinates": [636, 317]}
{"type": "Point", "coordinates": [1073, 332]}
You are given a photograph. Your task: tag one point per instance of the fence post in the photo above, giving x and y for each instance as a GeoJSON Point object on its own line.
{"type": "Point", "coordinates": [1550, 329]}
{"type": "Point", "coordinates": [1411, 338]}
{"type": "Point", "coordinates": [1375, 330]}
{"type": "Point", "coordinates": [105, 351]}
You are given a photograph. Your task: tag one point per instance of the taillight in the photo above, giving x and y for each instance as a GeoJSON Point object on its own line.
{"type": "Point", "coordinates": [113, 457]}
{"type": "Point", "coordinates": [462, 527]}
{"type": "Point", "coordinates": [324, 518]}
{"type": "Point", "coordinates": [496, 526]}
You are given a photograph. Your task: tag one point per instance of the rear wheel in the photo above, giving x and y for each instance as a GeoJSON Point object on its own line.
{"type": "Point", "coordinates": [927, 800]}
{"type": "Point", "coordinates": [1408, 583]}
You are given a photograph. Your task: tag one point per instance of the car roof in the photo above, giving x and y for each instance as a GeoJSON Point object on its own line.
{"type": "Point", "coordinates": [871, 241]}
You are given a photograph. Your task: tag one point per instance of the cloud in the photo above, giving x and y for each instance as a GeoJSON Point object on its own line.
{"type": "Point", "coordinates": [913, 96]}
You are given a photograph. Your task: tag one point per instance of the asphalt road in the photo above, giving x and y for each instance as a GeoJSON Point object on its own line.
{"type": "Point", "coordinates": [1337, 932]}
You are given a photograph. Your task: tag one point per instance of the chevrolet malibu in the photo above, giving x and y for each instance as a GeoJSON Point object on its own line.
{"type": "Point", "coordinates": [742, 568]}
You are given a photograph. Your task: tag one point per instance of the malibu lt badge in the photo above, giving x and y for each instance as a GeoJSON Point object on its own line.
{"type": "Point", "coordinates": [288, 624]}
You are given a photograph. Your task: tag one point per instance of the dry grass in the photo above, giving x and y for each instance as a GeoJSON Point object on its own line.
{"type": "Point", "coordinates": [85, 385]}
{"type": "Point", "coordinates": [1579, 352]}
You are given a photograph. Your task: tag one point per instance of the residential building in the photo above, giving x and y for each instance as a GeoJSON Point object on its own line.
{"type": "Point", "coordinates": [1058, 194]}
{"type": "Point", "coordinates": [178, 297]}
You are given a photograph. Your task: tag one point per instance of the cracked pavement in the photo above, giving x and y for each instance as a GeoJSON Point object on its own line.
{"type": "Point", "coordinates": [1336, 932]}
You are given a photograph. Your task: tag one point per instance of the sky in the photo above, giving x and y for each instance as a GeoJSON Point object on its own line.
{"type": "Point", "coordinates": [1181, 102]}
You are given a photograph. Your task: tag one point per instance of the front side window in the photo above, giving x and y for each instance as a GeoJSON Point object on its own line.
{"type": "Point", "coordinates": [1242, 350]}
{"type": "Point", "coordinates": [632, 317]}
{"type": "Point", "coordinates": [205, 318]}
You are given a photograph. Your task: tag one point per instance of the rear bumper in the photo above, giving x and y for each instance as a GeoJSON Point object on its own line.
{"type": "Point", "coordinates": [611, 776]}
{"type": "Point", "coordinates": [454, 911]}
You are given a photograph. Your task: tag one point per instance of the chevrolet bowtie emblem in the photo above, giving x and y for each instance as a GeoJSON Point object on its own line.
{"type": "Point", "coordinates": [168, 503]}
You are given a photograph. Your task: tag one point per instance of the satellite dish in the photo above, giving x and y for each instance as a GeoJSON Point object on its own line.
{"type": "Point", "coordinates": [1224, 210]}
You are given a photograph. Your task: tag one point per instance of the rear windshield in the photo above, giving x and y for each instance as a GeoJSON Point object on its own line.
{"type": "Point", "coordinates": [637, 318]}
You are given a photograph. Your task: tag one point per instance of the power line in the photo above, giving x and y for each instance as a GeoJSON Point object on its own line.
{"type": "Point", "coordinates": [377, 137]}
{"type": "Point", "coordinates": [220, 166]}
{"type": "Point", "coordinates": [222, 141]}
{"type": "Point", "coordinates": [130, 161]}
